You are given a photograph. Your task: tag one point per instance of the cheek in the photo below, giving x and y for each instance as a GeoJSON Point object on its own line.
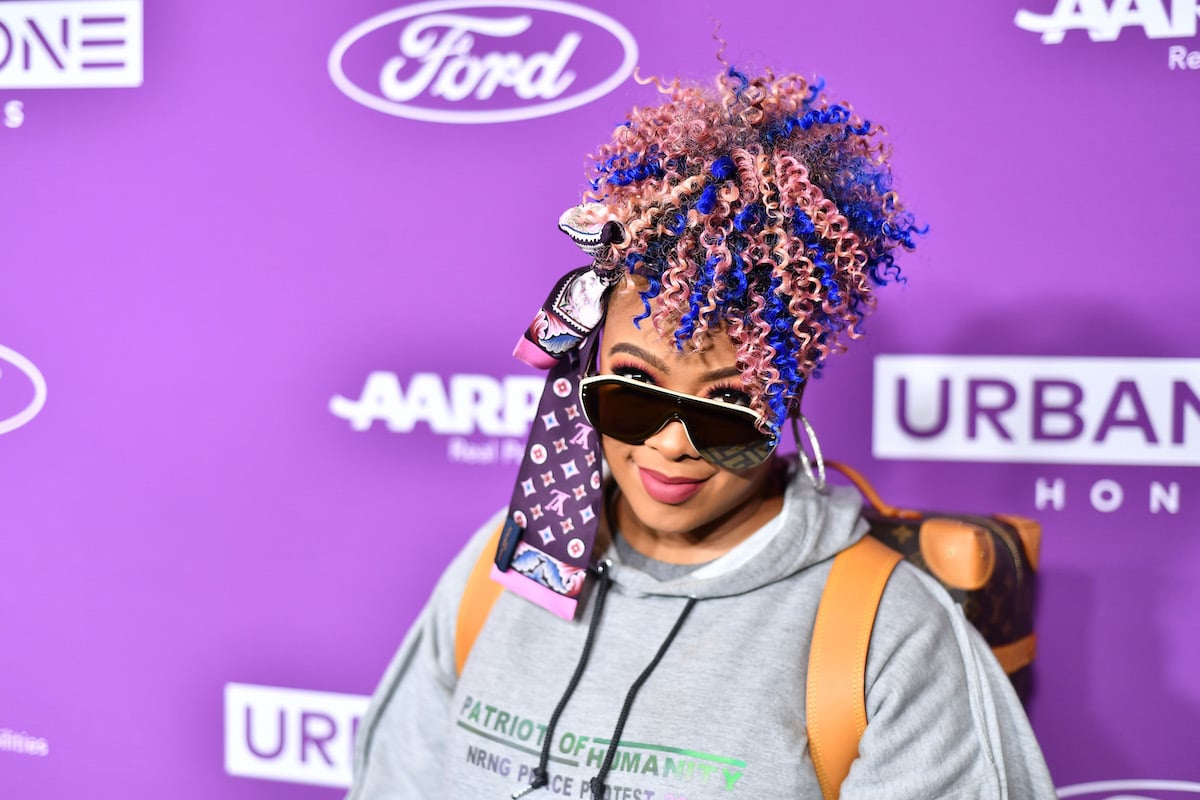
{"type": "Point", "coordinates": [618, 456]}
{"type": "Point", "coordinates": [730, 489]}
{"type": "Point", "coordinates": [611, 449]}
{"type": "Point", "coordinates": [621, 460]}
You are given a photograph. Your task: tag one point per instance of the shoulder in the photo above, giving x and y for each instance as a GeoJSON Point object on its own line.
{"type": "Point", "coordinates": [460, 568]}
{"type": "Point", "coordinates": [935, 695]}
{"type": "Point", "coordinates": [929, 671]}
{"type": "Point", "coordinates": [918, 622]}
{"type": "Point", "coordinates": [450, 587]}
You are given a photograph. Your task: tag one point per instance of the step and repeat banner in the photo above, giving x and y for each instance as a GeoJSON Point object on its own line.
{"type": "Point", "coordinates": [262, 266]}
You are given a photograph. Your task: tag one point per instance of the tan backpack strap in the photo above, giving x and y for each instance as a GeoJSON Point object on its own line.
{"type": "Point", "coordinates": [478, 597]}
{"type": "Point", "coordinates": [837, 662]}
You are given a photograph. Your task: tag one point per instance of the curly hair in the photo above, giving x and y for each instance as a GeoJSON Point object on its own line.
{"type": "Point", "coordinates": [760, 207]}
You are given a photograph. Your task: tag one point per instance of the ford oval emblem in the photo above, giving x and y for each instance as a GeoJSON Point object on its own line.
{"type": "Point", "coordinates": [468, 62]}
{"type": "Point", "coordinates": [27, 368]}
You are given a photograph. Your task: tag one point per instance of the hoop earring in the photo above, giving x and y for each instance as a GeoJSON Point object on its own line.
{"type": "Point", "coordinates": [816, 476]}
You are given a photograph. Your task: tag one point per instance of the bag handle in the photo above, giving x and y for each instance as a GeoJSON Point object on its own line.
{"type": "Point", "coordinates": [868, 491]}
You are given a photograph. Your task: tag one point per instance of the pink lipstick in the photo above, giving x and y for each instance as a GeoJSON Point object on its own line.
{"type": "Point", "coordinates": [671, 491]}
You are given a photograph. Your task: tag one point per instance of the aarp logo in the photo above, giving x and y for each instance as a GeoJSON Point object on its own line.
{"type": "Point", "coordinates": [467, 62]}
{"type": "Point", "coordinates": [484, 419]}
{"type": "Point", "coordinates": [22, 390]}
{"type": "Point", "coordinates": [1104, 21]}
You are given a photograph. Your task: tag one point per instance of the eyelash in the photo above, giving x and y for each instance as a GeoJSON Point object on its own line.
{"type": "Point", "coordinates": [727, 392]}
{"type": "Point", "coordinates": [733, 395]}
{"type": "Point", "coordinates": [634, 371]}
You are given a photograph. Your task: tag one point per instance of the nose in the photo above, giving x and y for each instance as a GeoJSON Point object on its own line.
{"type": "Point", "coordinates": [672, 441]}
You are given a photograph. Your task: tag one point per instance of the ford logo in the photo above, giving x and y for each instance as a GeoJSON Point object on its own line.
{"type": "Point", "coordinates": [1131, 790]}
{"type": "Point", "coordinates": [9, 359]}
{"type": "Point", "coordinates": [475, 62]}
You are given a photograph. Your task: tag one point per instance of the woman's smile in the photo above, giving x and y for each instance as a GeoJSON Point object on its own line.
{"type": "Point", "coordinates": [671, 490]}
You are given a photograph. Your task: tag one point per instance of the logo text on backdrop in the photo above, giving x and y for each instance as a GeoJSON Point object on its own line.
{"type": "Point", "coordinates": [69, 44]}
{"type": "Point", "coordinates": [1043, 410]}
{"type": "Point", "coordinates": [1104, 21]}
{"type": "Point", "coordinates": [13, 114]}
{"type": "Point", "coordinates": [1158, 19]}
{"type": "Point", "coordinates": [1038, 409]}
{"type": "Point", "coordinates": [475, 62]}
{"type": "Point", "coordinates": [22, 390]}
{"type": "Point", "coordinates": [292, 735]}
{"type": "Point", "coordinates": [1123, 790]}
{"type": "Point", "coordinates": [23, 743]}
{"type": "Point", "coordinates": [459, 407]}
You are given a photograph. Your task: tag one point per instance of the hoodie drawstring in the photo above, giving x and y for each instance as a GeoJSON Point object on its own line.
{"type": "Point", "coordinates": [596, 784]}
{"type": "Point", "coordinates": [541, 776]}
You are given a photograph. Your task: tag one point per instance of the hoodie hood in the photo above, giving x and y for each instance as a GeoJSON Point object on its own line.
{"type": "Point", "coordinates": [812, 527]}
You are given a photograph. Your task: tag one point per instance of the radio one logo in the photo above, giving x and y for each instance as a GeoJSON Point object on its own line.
{"type": "Point", "coordinates": [19, 378]}
{"type": "Point", "coordinates": [1132, 790]}
{"type": "Point", "coordinates": [477, 62]}
{"type": "Point", "coordinates": [69, 44]}
{"type": "Point", "coordinates": [1115, 411]}
{"type": "Point", "coordinates": [14, 114]}
{"type": "Point", "coordinates": [292, 735]}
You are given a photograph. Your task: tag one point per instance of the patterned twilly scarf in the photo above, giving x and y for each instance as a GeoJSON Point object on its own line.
{"type": "Point", "coordinates": [554, 513]}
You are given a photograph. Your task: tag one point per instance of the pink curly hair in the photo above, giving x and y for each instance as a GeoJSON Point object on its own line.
{"type": "Point", "coordinates": [761, 208]}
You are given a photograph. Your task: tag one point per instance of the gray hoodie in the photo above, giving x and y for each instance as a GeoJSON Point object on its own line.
{"type": "Point", "coordinates": [723, 714]}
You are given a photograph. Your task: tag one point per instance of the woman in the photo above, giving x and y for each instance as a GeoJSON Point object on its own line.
{"type": "Point", "coordinates": [737, 236]}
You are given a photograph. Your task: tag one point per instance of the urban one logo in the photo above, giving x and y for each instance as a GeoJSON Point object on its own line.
{"type": "Point", "coordinates": [291, 735]}
{"type": "Point", "coordinates": [458, 407]}
{"type": "Point", "coordinates": [1114, 411]}
{"type": "Point", "coordinates": [475, 62]}
{"type": "Point", "coordinates": [56, 44]}
{"type": "Point", "coordinates": [22, 390]}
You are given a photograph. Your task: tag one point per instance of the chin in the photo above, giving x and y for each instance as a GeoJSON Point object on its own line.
{"type": "Point", "coordinates": [688, 517]}
{"type": "Point", "coordinates": [667, 519]}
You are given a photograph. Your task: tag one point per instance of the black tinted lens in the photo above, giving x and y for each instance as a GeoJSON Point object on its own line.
{"type": "Point", "coordinates": [625, 412]}
{"type": "Point", "coordinates": [633, 413]}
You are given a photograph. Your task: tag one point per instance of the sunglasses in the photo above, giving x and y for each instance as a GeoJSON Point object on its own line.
{"type": "Point", "coordinates": [632, 411]}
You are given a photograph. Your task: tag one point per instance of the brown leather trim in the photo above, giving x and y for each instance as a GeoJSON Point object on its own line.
{"type": "Point", "coordinates": [1015, 655]}
{"type": "Point", "coordinates": [837, 663]}
{"type": "Point", "coordinates": [1030, 532]}
{"type": "Point", "coordinates": [478, 597]}
{"type": "Point", "coordinates": [959, 554]}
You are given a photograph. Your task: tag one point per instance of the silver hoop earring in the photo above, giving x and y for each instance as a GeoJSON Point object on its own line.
{"type": "Point", "coordinates": [813, 467]}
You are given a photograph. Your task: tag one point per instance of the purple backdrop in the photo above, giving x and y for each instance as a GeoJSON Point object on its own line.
{"type": "Point", "coordinates": [255, 324]}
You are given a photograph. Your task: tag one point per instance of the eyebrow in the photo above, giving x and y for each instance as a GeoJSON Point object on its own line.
{"type": "Point", "coordinates": [723, 372]}
{"type": "Point", "coordinates": [637, 352]}
{"type": "Point", "coordinates": [658, 364]}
